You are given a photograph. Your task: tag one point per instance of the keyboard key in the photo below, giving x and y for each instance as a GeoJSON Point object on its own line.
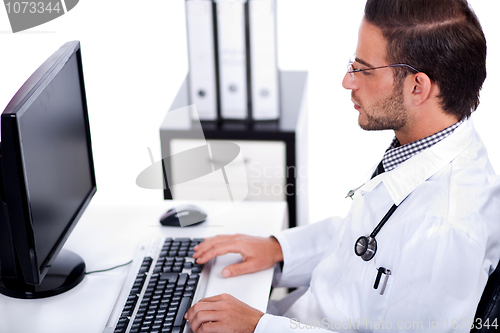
{"type": "Point", "coordinates": [167, 328]}
{"type": "Point", "coordinates": [139, 316]}
{"type": "Point", "coordinates": [134, 330]}
{"type": "Point", "coordinates": [170, 277]}
{"type": "Point", "coordinates": [183, 307]}
{"type": "Point", "coordinates": [121, 326]}
{"type": "Point", "coordinates": [127, 311]}
{"type": "Point", "coordinates": [144, 269]}
{"type": "Point", "coordinates": [196, 269]}
{"type": "Point", "coordinates": [182, 279]}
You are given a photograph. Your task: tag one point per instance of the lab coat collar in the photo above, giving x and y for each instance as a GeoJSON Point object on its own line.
{"type": "Point", "coordinates": [407, 176]}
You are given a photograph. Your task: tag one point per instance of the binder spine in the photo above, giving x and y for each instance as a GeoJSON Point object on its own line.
{"type": "Point", "coordinates": [216, 57]}
{"type": "Point", "coordinates": [248, 60]}
{"type": "Point", "coordinates": [203, 83]}
{"type": "Point", "coordinates": [232, 59]}
{"type": "Point", "coordinates": [265, 95]}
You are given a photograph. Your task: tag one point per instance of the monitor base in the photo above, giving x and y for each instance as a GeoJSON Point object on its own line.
{"type": "Point", "coordinates": [67, 271]}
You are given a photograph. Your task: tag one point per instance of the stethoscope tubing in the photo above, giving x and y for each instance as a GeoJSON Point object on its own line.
{"type": "Point", "coordinates": [366, 247]}
{"type": "Point", "coordinates": [382, 222]}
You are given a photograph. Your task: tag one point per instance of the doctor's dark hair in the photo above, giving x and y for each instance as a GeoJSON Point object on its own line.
{"type": "Point", "coordinates": [441, 38]}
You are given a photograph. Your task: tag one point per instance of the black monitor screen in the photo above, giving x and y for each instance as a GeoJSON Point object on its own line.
{"type": "Point", "coordinates": [55, 150]}
{"type": "Point", "coordinates": [47, 178]}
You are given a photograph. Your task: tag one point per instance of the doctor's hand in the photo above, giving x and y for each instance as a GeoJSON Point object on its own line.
{"type": "Point", "coordinates": [258, 253]}
{"type": "Point", "coordinates": [223, 314]}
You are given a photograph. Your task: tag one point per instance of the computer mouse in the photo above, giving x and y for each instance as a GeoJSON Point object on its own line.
{"type": "Point", "coordinates": [183, 216]}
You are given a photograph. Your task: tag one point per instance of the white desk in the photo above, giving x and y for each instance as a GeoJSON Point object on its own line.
{"type": "Point", "coordinates": [108, 235]}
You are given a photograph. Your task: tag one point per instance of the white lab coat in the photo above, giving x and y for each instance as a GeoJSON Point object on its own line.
{"type": "Point", "coordinates": [440, 244]}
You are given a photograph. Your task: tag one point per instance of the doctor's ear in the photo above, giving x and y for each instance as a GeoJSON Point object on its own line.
{"type": "Point", "coordinates": [421, 88]}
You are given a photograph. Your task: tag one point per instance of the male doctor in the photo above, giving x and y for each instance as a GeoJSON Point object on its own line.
{"type": "Point", "coordinates": [418, 70]}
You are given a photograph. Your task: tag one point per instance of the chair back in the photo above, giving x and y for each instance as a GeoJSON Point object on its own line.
{"type": "Point", "coordinates": [488, 310]}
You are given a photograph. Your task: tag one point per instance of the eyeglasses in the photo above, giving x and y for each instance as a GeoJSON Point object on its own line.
{"type": "Point", "coordinates": [351, 69]}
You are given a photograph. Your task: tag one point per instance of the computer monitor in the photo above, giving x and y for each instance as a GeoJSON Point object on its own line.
{"type": "Point", "coordinates": [47, 178]}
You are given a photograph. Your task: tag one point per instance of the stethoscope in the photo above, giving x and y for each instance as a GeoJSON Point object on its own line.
{"type": "Point", "coordinates": [366, 247]}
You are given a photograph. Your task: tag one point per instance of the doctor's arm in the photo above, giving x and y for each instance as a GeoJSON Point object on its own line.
{"type": "Point", "coordinates": [303, 248]}
{"type": "Point", "coordinates": [300, 249]}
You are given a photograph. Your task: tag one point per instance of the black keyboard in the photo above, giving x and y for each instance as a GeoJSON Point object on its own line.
{"type": "Point", "coordinates": [163, 289]}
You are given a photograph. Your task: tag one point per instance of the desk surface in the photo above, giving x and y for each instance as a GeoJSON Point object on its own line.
{"type": "Point", "coordinates": [107, 236]}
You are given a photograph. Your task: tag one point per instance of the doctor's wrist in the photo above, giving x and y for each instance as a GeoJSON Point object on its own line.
{"type": "Point", "coordinates": [277, 251]}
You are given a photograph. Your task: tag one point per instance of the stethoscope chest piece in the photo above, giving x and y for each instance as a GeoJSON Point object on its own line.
{"type": "Point", "coordinates": [365, 247]}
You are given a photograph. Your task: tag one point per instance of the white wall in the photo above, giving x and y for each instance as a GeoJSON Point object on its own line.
{"type": "Point", "coordinates": [135, 57]}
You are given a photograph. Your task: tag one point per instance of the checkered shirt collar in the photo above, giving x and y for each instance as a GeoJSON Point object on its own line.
{"type": "Point", "coordinates": [397, 154]}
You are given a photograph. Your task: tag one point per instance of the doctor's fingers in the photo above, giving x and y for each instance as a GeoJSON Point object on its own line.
{"type": "Point", "coordinates": [220, 246]}
{"type": "Point", "coordinates": [203, 312]}
{"type": "Point", "coordinates": [225, 312]}
{"type": "Point", "coordinates": [210, 242]}
{"type": "Point", "coordinates": [221, 249]}
{"type": "Point", "coordinates": [248, 266]}
{"type": "Point", "coordinates": [209, 327]}
{"type": "Point", "coordinates": [205, 321]}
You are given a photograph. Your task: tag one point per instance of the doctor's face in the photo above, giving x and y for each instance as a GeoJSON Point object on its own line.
{"type": "Point", "coordinates": [376, 95]}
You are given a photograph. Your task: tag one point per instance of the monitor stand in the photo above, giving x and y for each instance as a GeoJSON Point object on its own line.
{"type": "Point", "coordinates": [67, 271]}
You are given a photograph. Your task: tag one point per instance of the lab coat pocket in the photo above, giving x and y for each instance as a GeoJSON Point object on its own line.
{"type": "Point", "coordinates": [356, 297]}
{"type": "Point", "coordinates": [378, 297]}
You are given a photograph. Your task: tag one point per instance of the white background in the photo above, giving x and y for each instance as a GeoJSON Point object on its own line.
{"type": "Point", "coordinates": [135, 58]}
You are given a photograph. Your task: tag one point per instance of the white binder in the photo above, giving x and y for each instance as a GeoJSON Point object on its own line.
{"type": "Point", "coordinates": [263, 60]}
{"type": "Point", "coordinates": [232, 58]}
{"type": "Point", "coordinates": [202, 71]}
